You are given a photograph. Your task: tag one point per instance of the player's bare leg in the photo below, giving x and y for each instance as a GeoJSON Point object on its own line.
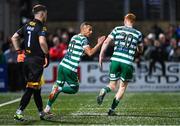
{"type": "Point", "coordinates": [107, 89]}
{"type": "Point", "coordinates": [52, 97]}
{"type": "Point", "coordinates": [68, 89]}
{"type": "Point", "coordinates": [119, 95]}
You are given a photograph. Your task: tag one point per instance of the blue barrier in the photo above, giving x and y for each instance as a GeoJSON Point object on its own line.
{"type": "Point", "coordinates": [3, 78]}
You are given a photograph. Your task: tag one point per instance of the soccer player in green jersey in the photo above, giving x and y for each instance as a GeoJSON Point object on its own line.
{"type": "Point", "coordinates": [127, 41]}
{"type": "Point", "coordinates": [67, 80]}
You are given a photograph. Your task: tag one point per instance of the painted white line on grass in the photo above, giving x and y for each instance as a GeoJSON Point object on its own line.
{"type": "Point", "coordinates": [87, 113]}
{"type": "Point", "coordinates": [88, 109]}
{"type": "Point", "coordinates": [103, 108]}
{"type": "Point", "coordinates": [10, 102]}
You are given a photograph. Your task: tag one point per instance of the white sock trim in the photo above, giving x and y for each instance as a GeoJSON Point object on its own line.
{"type": "Point", "coordinates": [47, 109]}
{"type": "Point", "coordinates": [18, 111]}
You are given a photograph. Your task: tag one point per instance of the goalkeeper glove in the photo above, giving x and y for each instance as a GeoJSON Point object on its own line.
{"type": "Point", "coordinates": [20, 56]}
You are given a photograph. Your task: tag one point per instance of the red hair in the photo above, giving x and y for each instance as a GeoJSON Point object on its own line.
{"type": "Point", "coordinates": [131, 17]}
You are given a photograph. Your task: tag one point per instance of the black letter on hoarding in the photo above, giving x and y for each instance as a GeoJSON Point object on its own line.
{"type": "Point", "coordinates": [91, 79]}
{"type": "Point", "coordinates": [158, 78]}
{"type": "Point", "coordinates": [91, 67]}
{"type": "Point", "coordinates": [133, 80]}
{"type": "Point", "coordinates": [172, 79]}
{"type": "Point", "coordinates": [104, 79]}
{"type": "Point", "coordinates": [173, 68]}
{"type": "Point", "coordinates": [149, 79]}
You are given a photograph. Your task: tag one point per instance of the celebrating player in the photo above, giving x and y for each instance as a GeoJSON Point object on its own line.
{"type": "Point", "coordinates": [127, 40]}
{"type": "Point", "coordinates": [67, 81]}
{"type": "Point", "coordinates": [35, 58]}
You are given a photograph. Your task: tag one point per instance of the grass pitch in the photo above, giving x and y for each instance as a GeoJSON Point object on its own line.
{"type": "Point", "coordinates": [82, 109]}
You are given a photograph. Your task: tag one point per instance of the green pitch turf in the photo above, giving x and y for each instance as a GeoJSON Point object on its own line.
{"type": "Point", "coordinates": [81, 109]}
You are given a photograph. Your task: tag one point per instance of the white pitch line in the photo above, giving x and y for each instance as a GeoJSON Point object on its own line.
{"type": "Point", "coordinates": [10, 102]}
{"type": "Point", "coordinates": [87, 113]}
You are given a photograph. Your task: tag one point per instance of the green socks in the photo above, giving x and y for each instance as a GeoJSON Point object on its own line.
{"type": "Point", "coordinates": [114, 104]}
{"type": "Point", "coordinates": [65, 89]}
{"type": "Point", "coordinates": [51, 101]}
{"type": "Point", "coordinates": [107, 89]}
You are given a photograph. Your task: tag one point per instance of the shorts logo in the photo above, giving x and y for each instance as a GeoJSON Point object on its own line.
{"type": "Point", "coordinates": [112, 75]}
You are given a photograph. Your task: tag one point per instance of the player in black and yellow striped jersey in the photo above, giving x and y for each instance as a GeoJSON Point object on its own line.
{"type": "Point", "coordinates": [35, 58]}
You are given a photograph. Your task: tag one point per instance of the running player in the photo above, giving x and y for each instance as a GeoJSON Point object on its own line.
{"type": "Point", "coordinates": [127, 40]}
{"type": "Point", "coordinates": [36, 58]}
{"type": "Point", "coordinates": [67, 81]}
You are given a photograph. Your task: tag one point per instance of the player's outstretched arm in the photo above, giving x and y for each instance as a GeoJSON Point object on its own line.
{"type": "Point", "coordinates": [103, 49]}
{"type": "Point", "coordinates": [90, 51]}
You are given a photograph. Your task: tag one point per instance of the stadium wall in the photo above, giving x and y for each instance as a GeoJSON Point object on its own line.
{"type": "Point", "coordinates": [92, 78]}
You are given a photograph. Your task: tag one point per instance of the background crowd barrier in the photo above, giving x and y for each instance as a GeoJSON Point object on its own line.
{"type": "Point", "coordinates": [92, 78]}
{"type": "Point", "coordinates": [3, 78]}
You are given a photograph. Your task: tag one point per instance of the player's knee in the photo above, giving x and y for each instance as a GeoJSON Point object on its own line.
{"type": "Point", "coordinates": [112, 87]}
{"type": "Point", "coordinates": [75, 89]}
{"type": "Point", "coordinates": [56, 87]}
{"type": "Point", "coordinates": [124, 85]}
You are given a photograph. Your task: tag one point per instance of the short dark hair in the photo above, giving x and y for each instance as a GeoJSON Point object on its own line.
{"type": "Point", "coordinates": [85, 23]}
{"type": "Point", "coordinates": [38, 8]}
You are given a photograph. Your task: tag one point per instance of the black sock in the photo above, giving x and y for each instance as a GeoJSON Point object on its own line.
{"type": "Point", "coordinates": [114, 104]}
{"type": "Point", "coordinates": [25, 98]}
{"type": "Point", "coordinates": [38, 99]}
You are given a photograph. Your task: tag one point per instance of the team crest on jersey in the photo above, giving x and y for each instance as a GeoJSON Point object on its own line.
{"type": "Point", "coordinates": [32, 23]}
{"type": "Point", "coordinates": [44, 29]}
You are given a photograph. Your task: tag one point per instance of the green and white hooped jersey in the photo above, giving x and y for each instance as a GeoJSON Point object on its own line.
{"type": "Point", "coordinates": [126, 40]}
{"type": "Point", "coordinates": [75, 51]}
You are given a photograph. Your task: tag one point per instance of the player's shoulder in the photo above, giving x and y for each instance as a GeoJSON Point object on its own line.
{"type": "Point", "coordinates": [37, 23]}
{"type": "Point", "coordinates": [32, 23]}
{"type": "Point", "coordinates": [82, 36]}
{"type": "Point", "coordinates": [139, 32]}
{"type": "Point", "coordinates": [79, 37]}
{"type": "Point", "coordinates": [135, 31]}
{"type": "Point", "coordinates": [44, 28]}
{"type": "Point", "coordinates": [118, 27]}
{"type": "Point", "coordinates": [74, 37]}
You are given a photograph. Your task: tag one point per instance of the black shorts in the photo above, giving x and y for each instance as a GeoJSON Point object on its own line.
{"type": "Point", "coordinates": [32, 70]}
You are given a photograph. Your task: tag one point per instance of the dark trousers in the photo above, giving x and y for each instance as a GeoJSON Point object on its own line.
{"type": "Point", "coordinates": [152, 65]}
